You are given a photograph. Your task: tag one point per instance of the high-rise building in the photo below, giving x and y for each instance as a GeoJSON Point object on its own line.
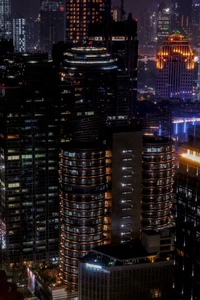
{"type": "Point", "coordinates": [163, 22]}
{"type": "Point", "coordinates": [147, 32]}
{"type": "Point", "coordinates": [52, 24]}
{"type": "Point", "coordinates": [187, 240]}
{"type": "Point", "coordinates": [181, 16]}
{"type": "Point", "coordinates": [19, 35]}
{"type": "Point", "coordinates": [121, 41]}
{"type": "Point", "coordinates": [157, 180]}
{"type": "Point", "coordinates": [126, 183]}
{"type": "Point", "coordinates": [90, 74]}
{"type": "Point", "coordinates": [125, 271]}
{"type": "Point", "coordinates": [175, 69]}
{"type": "Point", "coordinates": [5, 19]}
{"type": "Point", "coordinates": [195, 28]}
{"type": "Point", "coordinates": [29, 159]}
{"type": "Point", "coordinates": [79, 14]}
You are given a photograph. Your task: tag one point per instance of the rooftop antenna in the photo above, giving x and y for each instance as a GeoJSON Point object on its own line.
{"type": "Point", "coordinates": [122, 12]}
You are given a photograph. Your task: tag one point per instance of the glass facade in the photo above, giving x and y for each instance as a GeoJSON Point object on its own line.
{"type": "Point", "coordinates": [157, 180]}
{"type": "Point", "coordinates": [29, 139]}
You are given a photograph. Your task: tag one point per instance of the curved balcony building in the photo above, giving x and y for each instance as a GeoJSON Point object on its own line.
{"type": "Point", "coordinates": [157, 180]}
{"type": "Point", "coordinates": [82, 195]}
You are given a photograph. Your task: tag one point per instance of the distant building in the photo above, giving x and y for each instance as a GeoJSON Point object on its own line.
{"type": "Point", "coordinates": [125, 271]}
{"type": "Point", "coordinates": [52, 24]}
{"type": "Point", "coordinates": [80, 14]}
{"type": "Point", "coordinates": [181, 17]}
{"type": "Point", "coordinates": [163, 22]}
{"type": "Point", "coordinates": [195, 28]}
{"type": "Point", "coordinates": [187, 240]}
{"type": "Point", "coordinates": [147, 32]}
{"type": "Point", "coordinates": [5, 19]}
{"type": "Point", "coordinates": [175, 69]}
{"type": "Point", "coordinates": [19, 34]}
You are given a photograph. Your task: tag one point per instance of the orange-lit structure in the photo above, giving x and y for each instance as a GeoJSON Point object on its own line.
{"type": "Point", "coordinates": [175, 67]}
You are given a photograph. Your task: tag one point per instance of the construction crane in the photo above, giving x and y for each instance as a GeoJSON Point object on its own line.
{"type": "Point", "coordinates": [122, 12]}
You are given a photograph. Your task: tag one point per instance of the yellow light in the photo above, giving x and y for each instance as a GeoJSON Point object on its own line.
{"type": "Point", "coordinates": [193, 157]}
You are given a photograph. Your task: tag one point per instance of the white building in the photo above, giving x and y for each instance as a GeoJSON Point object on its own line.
{"type": "Point", "coordinates": [19, 34]}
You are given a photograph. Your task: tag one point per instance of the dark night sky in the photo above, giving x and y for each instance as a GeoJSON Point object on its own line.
{"type": "Point", "coordinates": [31, 7]}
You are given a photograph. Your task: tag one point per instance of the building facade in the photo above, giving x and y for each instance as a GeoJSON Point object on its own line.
{"type": "Point", "coordinates": [126, 183]}
{"type": "Point", "coordinates": [115, 272]}
{"type": "Point", "coordinates": [163, 22]}
{"type": "Point", "coordinates": [19, 35]}
{"type": "Point", "coordinates": [175, 69]}
{"type": "Point", "coordinates": [29, 160]}
{"type": "Point", "coordinates": [157, 180]}
{"type": "Point", "coordinates": [121, 41]}
{"type": "Point", "coordinates": [85, 160]}
{"type": "Point", "coordinates": [187, 241]}
{"type": "Point", "coordinates": [80, 14]}
{"type": "Point", "coordinates": [52, 24]}
{"type": "Point", "coordinates": [5, 19]}
{"type": "Point", "coordinates": [181, 17]}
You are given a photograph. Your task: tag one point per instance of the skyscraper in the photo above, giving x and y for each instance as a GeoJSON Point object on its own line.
{"type": "Point", "coordinates": [147, 32]}
{"type": "Point", "coordinates": [195, 28]}
{"type": "Point", "coordinates": [187, 241]}
{"type": "Point", "coordinates": [175, 69]}
{"type": "Point", "coordinates": [5, 19]}
{"type": "Point", "coordinates": [29, 159]}
{"type": "Point", "coordinates": [81, 13]}
{"type": "Point", "coordinates": [121, 41]}
{"type": "Point", "coordinates": [52, 24]}
{"type": "Point", "coordinates": [157, 180]}
{"type": "Point", "coordinates": [181, 14]}
{"type": "Point", "coordinates": [84, 161]}
{"type": "Point", "coordinates": [163, 22]}
{"type": "Point", "coordinates": [19, 34]}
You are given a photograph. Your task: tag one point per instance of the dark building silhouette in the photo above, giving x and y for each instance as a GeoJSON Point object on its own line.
{"type": "Point", "coordinates": [181, 16]}
{"type": "Point", "coordinates": [29, 159]}
{"type": "Point", "coordinates": [120, 38]}
{"type": "Point", "coordinates": [187, 242]}
{"type": "Point", "coordinates": [52, 24]}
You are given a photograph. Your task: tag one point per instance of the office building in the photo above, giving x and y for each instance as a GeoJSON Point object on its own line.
{"type": "Point", "coordinates": [29, 159]}
{"type": "Point", "coordinates": [126, 183]}
{"type": "Point", "coordinates": [5, 19]}
{"type": "Point", "coordinates": [19, 35]}
{"type": "Point", "coordinates": [85, 173]}
{"type": "Point", "coordinates": [195, 28]}
{"type": "Point", "coordinates": [181, 17]}
{"type": "Point", "coordinates": [187, 242]}
{"type": "Point", "coordinates": [52, 24]}
{"type": "Point", "coordinates": [124, 271]}
{"type": "Point", "coordinates": [79, 14]}
{"type": "Point", "coordinates": [92, 73]}
{"type": "Point", "coordinates": [175, 69]}
{"type": "Point", "coordinates": [163, 22]}
{"type": "Point", "coordinates": [120, 39]}
{"type": "Point", "coordinates": [157, 180]}
{"type": "Point", "coordinates": [147, 32]}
